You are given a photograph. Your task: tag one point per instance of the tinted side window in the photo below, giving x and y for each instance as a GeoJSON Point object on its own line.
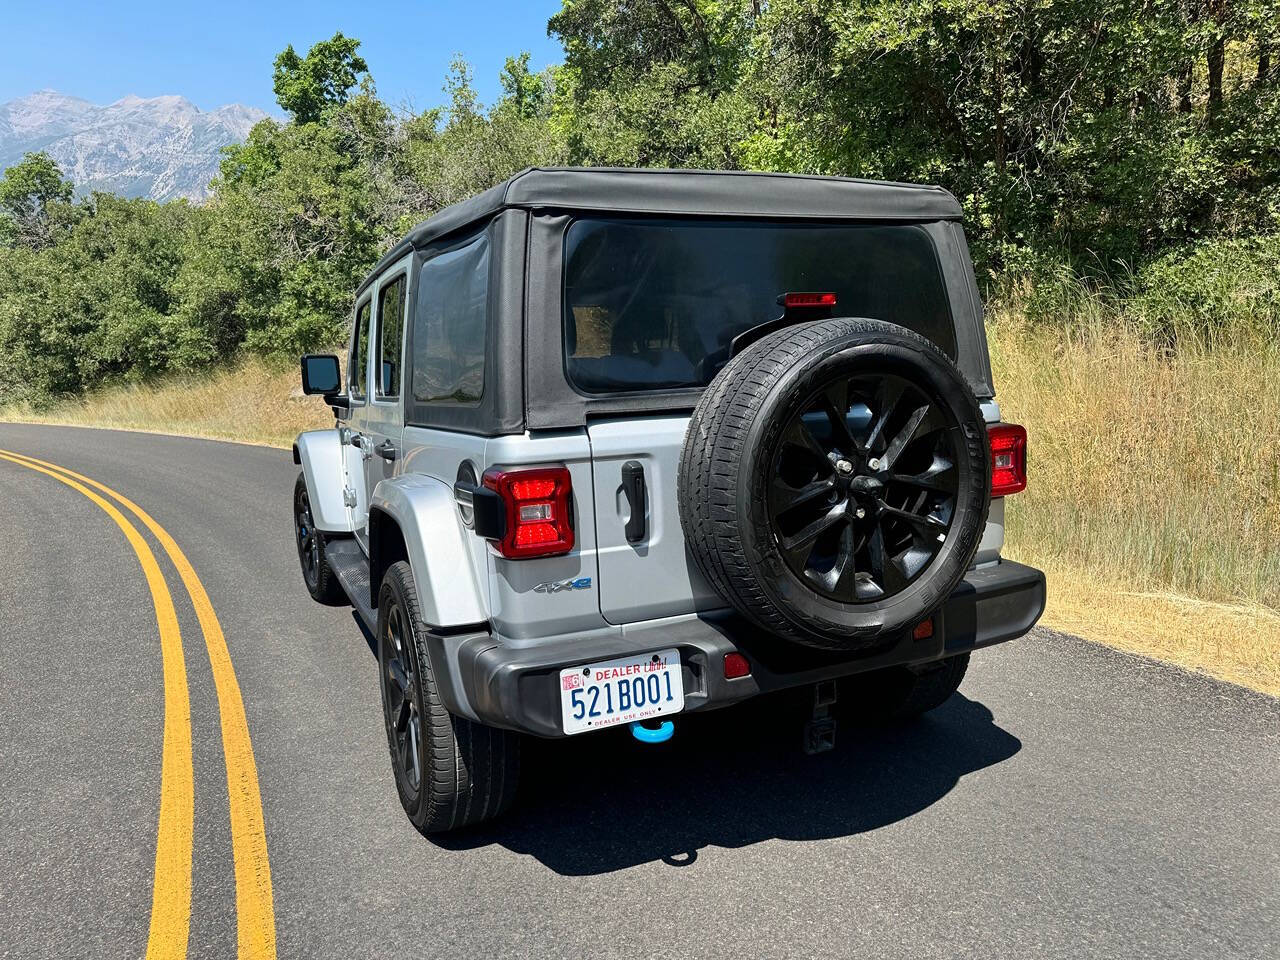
{"type": "Point", "coordinates": [390, 336]}
{"type": "Point", "coordinates": [358, 368]}
{"type": "Point", "coordinates": [450, 323]}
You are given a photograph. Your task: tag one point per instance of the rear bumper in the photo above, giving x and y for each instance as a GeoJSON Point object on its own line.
{"type": "Point", "coordinates": [517, 688]}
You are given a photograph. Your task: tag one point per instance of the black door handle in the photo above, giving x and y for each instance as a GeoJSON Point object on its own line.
{"type": "Point", "coordinates": [386, 450]}
{"type": "Point", "coordinates": [633, 488]}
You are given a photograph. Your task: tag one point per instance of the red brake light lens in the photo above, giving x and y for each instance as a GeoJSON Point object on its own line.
{"type": "Point", "coordinates": [532, 489]}
{"type": "Point", "coordinates": [792, 300]}
{"type": "Point", "coordinates": [1008, 459]}
{"type": "Point", "coordinates": [539, 511]}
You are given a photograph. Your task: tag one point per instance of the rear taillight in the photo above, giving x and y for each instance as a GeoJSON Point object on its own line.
{"type": "Point", "coordinates": [793, 300]}
{"type": "Point", "coordinates": [538, 504]}
{"type": "Point", "coordinates": [1008, 459]}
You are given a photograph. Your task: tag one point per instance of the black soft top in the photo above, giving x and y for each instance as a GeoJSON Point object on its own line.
{"type": "Point", "coordinates": [687, 193]}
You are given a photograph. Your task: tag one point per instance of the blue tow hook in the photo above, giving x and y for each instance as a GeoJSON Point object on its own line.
{"type": "Point", "coordinates": [659, 734]}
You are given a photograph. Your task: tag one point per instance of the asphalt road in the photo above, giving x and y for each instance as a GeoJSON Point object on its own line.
{"type": "Point", "coordinates": [1071, 801]}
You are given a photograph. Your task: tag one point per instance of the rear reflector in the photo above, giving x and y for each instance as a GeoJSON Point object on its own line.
{"type": "Point", "coordinates": [923, 631]}
{"type": "Point", "coordinates": [539, 511]}
{"type": "Point", "coordinates": [736, 665]}
{"type": "Point", "coordinates": [791, 300]}
{"type": "Point", "coordinates": [1008, 459]}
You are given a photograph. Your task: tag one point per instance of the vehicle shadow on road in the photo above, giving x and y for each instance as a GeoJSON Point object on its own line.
{"type": "Point", "coordinates": [595, 804]}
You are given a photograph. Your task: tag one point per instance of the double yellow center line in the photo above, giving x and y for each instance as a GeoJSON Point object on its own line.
{"type": "Point", "coordinates": [171, 892]}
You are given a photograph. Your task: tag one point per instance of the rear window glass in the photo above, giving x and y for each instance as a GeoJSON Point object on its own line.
{"type": "Point", "coordinates": [653, 305]}
{"type": "Point", "coordinates": [450, 321]}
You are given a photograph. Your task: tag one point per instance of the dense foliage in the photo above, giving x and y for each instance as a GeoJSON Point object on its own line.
{"type": "Point", "coordinates": [1126, 144]}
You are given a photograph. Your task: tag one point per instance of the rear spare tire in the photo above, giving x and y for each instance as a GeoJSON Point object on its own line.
{"type": "Point", "coordinates": [835, 481]}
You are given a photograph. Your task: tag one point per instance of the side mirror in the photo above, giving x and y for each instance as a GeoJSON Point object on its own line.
{"type": "Point", "coordinates": [320, 374]}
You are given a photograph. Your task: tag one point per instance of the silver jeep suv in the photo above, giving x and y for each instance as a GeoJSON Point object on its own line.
{"type": "Point", "coordinates": [615, 445]}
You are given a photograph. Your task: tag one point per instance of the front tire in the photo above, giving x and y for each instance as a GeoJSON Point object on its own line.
{"type": "Point", "coordinates": [322, 583]}
{"type": "Point", "coordinates": [450, 772]}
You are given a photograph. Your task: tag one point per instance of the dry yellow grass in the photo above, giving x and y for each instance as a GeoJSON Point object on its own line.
{"type": "Point", "coordinates": [1154, 503]}
{"type": "Point", "coordinates": [1237, 642]}
{"type": "Point", "coordinates": [251, 401]}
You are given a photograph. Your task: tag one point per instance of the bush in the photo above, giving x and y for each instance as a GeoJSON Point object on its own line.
{"type": "Point", "coordinates": [1219, 291]}
{"type": "Point", "coordinates": [1223, 292]}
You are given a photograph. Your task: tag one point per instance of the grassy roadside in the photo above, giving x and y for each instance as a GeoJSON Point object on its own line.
{"type": "Point", "coordinates": [1154, 503]}
{"type": "Point", "coordinates": [251, 401]}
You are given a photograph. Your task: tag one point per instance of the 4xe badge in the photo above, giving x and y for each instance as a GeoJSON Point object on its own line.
{"type": "Point", "coordinates": [559, 586]}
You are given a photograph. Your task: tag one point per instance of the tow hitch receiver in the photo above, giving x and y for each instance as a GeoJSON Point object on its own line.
{"type": "Point", "coordinates": [820, 731]}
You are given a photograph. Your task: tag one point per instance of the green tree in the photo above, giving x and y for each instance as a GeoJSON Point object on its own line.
{"type": "Point", "coordinates": [98, 304]}
{"type": "Point", "coordinates": [654, 83]}
{"type": "Point", "coordinates": [307, 86]}
{"type": "Point", "coordinates": [524, 91]}
{"type": "Point", "coordinates": [455, 151]}
{"type": "Point", "coordinates": [29, 195]}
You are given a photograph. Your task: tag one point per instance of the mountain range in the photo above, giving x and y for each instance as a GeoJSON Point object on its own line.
{"type": "Point", "coordinates": [158, 147]}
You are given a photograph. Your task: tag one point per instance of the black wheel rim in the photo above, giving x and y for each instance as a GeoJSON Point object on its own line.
{"type": "Point", "coordinates": [308, 538]}
{"type": "Point", "coordinates": [400, 700]}
{"type": "Point", "coordinates": [862, 489]}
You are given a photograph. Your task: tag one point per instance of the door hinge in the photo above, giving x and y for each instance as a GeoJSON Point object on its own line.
{"type": "Point", "coordinates": [348, 497]}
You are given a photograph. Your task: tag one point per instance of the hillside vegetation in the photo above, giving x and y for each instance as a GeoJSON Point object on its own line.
{"type": "Point", "coordinates": [1118, 162]}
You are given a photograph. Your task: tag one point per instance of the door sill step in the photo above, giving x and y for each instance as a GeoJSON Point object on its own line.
{"type": "Point", "coordinates": [348, 561]}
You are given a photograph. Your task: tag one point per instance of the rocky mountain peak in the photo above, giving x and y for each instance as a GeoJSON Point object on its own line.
{"type": "Point", "coordinates": [159, 147]}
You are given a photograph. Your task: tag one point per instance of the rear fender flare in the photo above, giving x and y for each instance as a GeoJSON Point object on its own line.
{"type": "Point", "coordinates": [449, 587]}
{"type": "Point", "coordinates": [319, 453]}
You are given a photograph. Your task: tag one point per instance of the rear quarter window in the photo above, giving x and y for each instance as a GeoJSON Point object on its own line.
{"type": "Point", "coordinates": [450, 325]}
{"type": "Point", "coordinates": [652, 305]}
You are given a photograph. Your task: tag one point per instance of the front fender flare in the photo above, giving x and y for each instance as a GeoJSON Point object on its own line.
{"type": "Point", "coordinates": [320, 452]}
{"type": "Point", "coordinates": [449, 587]}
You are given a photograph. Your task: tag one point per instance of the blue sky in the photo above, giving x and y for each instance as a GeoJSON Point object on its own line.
{"type": "Point", "coordinates": [221, 52]}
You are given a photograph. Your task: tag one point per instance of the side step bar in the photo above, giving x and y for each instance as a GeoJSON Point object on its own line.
{"type": "Point", "coordinates": [348, 561]}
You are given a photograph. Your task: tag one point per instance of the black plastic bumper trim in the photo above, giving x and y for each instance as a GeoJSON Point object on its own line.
{"type": "Point", "coordinates": [516, 688]}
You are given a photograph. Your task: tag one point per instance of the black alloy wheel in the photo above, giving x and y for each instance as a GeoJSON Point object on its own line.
{"type": "Point", "coordinates": [864, 487]}
{"type": "Point", "coordinates": [401, 702]}
{"type": "Point", "coordinates": [307, 537]}
{"type": "Point", "coordinates": [322, 583]}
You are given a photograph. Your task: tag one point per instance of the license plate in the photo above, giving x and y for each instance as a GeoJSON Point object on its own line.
{"type": "Point", "coordinates": [599, 695]}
